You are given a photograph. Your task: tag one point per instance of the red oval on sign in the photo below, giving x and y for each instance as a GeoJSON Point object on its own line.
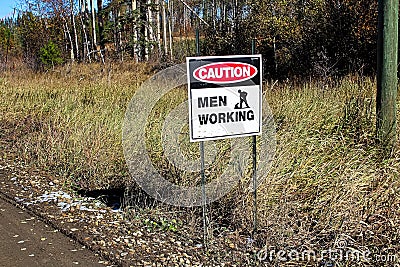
{"type": "Point", "coordinates": [226, 72]}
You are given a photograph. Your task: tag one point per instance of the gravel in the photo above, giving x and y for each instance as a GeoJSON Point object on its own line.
{"type": "Point", "coordinates": [106, 230]}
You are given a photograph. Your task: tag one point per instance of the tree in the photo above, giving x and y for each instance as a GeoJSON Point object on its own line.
{"type": "Point", "coordinates": [50, 55]}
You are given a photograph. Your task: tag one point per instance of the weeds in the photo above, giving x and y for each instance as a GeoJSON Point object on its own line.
{"type": "Point", "coordinates": [328, 178]}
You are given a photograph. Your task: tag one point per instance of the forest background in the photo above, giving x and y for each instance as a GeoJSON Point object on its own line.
{"type": "Point", "coordinates": [302, 38]}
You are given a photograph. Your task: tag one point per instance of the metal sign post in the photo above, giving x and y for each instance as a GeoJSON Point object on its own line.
{"type": "Point", "coordinates": [253, 51]}
{"type": "Point", "coordinates": [202, 167]}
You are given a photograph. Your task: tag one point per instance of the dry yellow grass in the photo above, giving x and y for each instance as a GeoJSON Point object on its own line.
{"type": "Point", "coordinates": [329, 181]}
{"type": "Point", "coordinates": [70, 120]}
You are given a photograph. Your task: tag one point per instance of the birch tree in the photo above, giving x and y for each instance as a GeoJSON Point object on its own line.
{"type": "Point", "coordinates": [93, 25]}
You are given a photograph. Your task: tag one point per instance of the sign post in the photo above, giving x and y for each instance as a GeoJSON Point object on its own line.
{"type": "Point", "coordinates": [225, 101]}
{"type": "Point", "coordinates": [202, 174]}
{"type": "Point", "coordinates": [253, 51]}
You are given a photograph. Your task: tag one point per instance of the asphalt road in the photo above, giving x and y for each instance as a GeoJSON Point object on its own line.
{"type": "Point", "coordinates": [27, 241]}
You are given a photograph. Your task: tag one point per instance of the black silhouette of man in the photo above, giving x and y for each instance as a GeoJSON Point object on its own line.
{"type": "Point", "coordinates": [243, 99]}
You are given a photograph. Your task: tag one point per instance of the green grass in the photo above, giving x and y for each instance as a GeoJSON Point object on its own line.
{"type": "Point", "coordinates": [329, 180]}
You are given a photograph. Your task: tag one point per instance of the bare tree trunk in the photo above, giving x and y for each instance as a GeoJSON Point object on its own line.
{"type": "Point", "coordinates": [83, 5]}
{"type": "Point", "coordinates": [171, 13]}
{"type": "Point", "coordinates": [68, 33]}
{"type": "Point", "coordinates": [116, 43]}
{"type": "Point", "coordinates": [101, 28]}
{"type": "Point", "coordinates": [205, 10]}
{"type": "Point", "coordinates": [223, 20]}
{"type": "Point", "coordinates": [184, 18]}
{"type": "Point", "coordinates": [159, 26]}
{"type": "Point", "coordinates": [170, 30]}
{"type": "Point", "coordinates": [120, 35]}
{"type": "Point", "coordinates": [93, 25]}
{"type": "Point", "coordinates": [82, 17]}
{"type": "Point", "coordinates": [236, 16]}
{"type": "Point", "coordinates": [149, 31]}
{"type": "Point", "coordinates": [151, 22]}
{"type": "Point", "coordinates": [142, 30]}
{"type": "Point", "coordinates": [134, 6]}
{"type": "Point", "coordinates": [214, 14]}
{"type": "Point", "coordinates": [74, 28]}
{"type": "Point", "coordinates": [117, 33]}
{"type": "Point", "coordinates": [164, 18]}
{"type": "Point", "coordinates": [65, 38]}
{"type": "Point", "coordinates": [86, 49]}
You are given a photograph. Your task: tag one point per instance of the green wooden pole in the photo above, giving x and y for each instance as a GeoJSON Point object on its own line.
{"type": "Point", "coordinates": [388, 11]}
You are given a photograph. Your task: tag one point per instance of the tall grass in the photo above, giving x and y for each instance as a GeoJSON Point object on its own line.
{"type": "Point", "coordinates": [328, 181]}
{"type": "Point", "coordinates": [69, 121]}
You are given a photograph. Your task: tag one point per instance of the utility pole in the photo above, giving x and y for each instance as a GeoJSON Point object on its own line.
{"type": "Point", "coordinates": [388, 11]}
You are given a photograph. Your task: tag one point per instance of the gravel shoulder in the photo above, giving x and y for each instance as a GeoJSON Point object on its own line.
{"type": "Point", "coordinates": [102, 229]}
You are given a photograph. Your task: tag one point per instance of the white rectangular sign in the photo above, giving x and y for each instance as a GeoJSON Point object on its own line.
{"type": "Point", "coordinates": [225, 95]}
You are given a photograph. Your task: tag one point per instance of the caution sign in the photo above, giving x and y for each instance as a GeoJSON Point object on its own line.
{"type": "Point", "coordinates": [224, 96]}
